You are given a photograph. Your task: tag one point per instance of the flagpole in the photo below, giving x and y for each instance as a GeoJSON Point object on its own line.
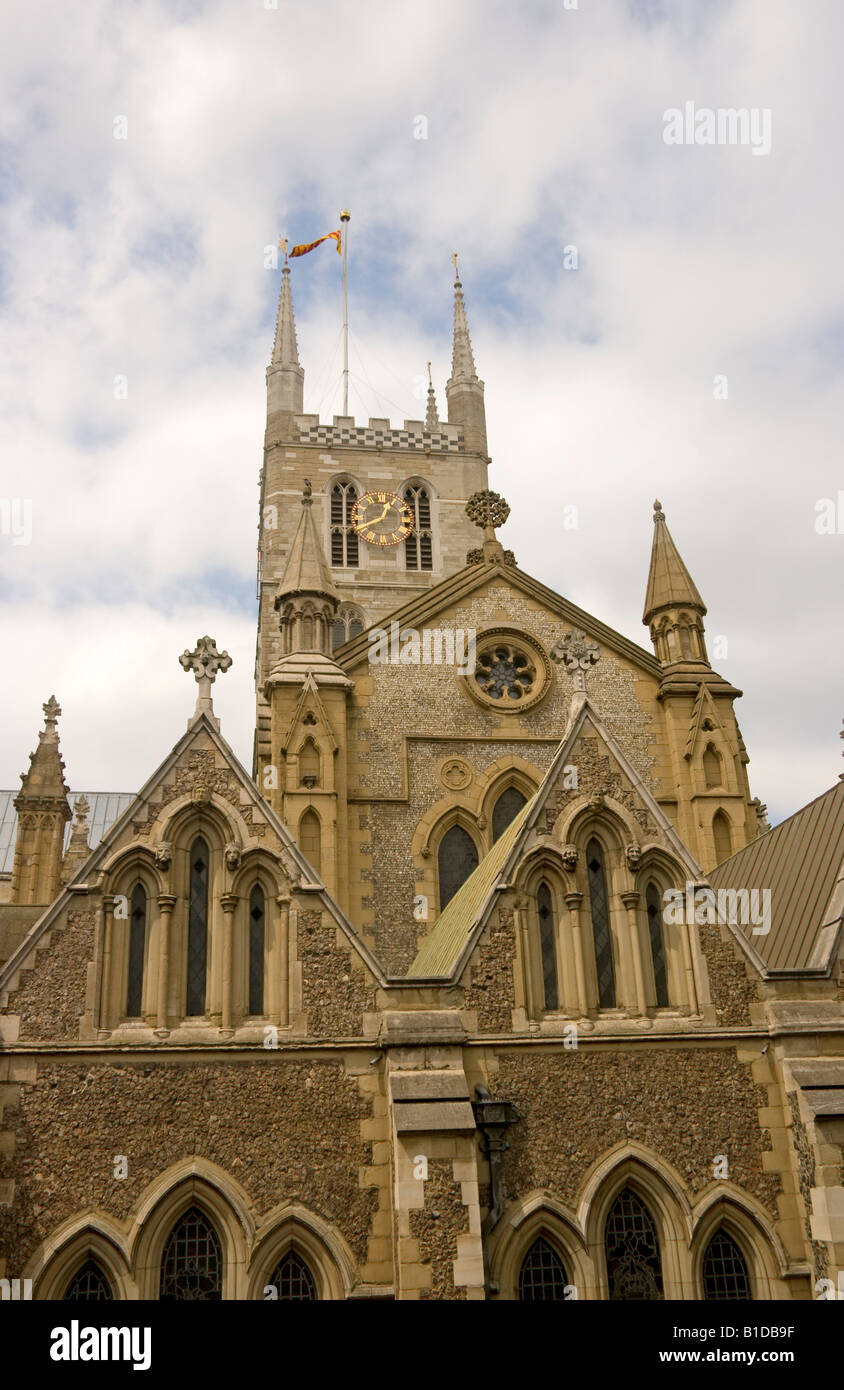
{"type": "Point", "coordinates": [345, 215]}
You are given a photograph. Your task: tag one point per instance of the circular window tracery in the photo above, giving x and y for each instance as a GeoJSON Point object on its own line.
{"type": "Point", "coordinates": [512, 671]}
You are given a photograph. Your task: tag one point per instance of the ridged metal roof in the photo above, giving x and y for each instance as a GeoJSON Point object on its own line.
{"type": "Point", "coordinates": [105, 808]}
{"type": "Point", "coordinates": [801, 861]}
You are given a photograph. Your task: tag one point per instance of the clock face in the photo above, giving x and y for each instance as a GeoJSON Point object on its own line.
{"type": "Point", "coordinates": [382, 518]}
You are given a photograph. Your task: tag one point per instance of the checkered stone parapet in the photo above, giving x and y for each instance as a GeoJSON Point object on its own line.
{"type": "Point", "coordinates": [378, 435]}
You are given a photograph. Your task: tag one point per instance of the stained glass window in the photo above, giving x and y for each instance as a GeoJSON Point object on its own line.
{"type": "Point", "coordinates": [654, 908]}
{"type": "Point", "coordinates": [192, 1263]}
{"type": "Point", "coordinates": [294, 1280]}
{"type": "Point", "coordinates": [197, 928]}
{"type": "Point", "coordinates": [599, 906]}
{"type": "Point", "coordinates": [137, 944]}
{"type": "Point", "coordinates": [725, 1274]}
{"type": "Point", "coordinates": [457, 859]}
{"type": "Point", "coordinates": [542, 1275]}
{"type": "Point", "coordinates": [548, 945]}
{"type": "Point", "coordinates": [89, 1284]}
{"type": "Point", "coordinates": [634, 1268]}
{"type": "Point", "coordinates": [506, 808]}
{"type": "Point", "coordinates": [256, 950]}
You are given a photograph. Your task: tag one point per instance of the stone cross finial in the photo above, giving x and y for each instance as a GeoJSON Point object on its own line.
{"type": "Point", "coordinates": [81, 808]}
{"type": "Point", "coordinates": [577, 654]}
{"type": "Point", "coordinates": [205, 662]}
{"type": "Point", "coordinates": [52, 710]}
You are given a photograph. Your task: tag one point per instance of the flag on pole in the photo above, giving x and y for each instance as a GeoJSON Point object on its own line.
{"type": "Point", "coordinates": [311, 245]}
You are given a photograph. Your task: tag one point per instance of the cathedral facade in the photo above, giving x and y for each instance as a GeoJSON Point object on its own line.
{"type": "Point", "coordinates": [487, 980]}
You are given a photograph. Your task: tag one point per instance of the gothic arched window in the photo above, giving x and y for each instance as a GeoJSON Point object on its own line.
{"type": "Point", "coordinates": [349, 623]}
{"type": "Point", "coordinates": [506, 808]}
{"type": "Point", "coordinates": [722, 837]}
{"type": "Point", "coordinates": [654, 909]}
{"type": "Point", "coordinates": [725, 1274]}
{"type": "Point", "coordinates": [547, 945]}
{"type": "Point", "coordinates": [712, 766]}
{"type": "Point", "coordinates": [344, 541]}
{"type": "Point", "coordinates": [599, 907]}
{"type": "Point", "coordinates": [542, 1275]}
{"type": "Point", "coordinates": [457, 858]}
{"type": "Point", "coordinates": [418, 548]}
{"type": "Point", "coordinates": [192, 1263]}
{"type": "Point", "coordinates": [137, 946]}
{"type": "Point", "coordinates": [197, 928]}
{"type": "Point", "coordinates": [257, 929]}
{"type": "Point", "coordinates": [310, 839]}
{"type": "Point", "coordinates": [634, 1268]}
{"type": "Point", "coordinates": [89, 1284]}
{"type": "Point", "coordinates": [294, 1280]}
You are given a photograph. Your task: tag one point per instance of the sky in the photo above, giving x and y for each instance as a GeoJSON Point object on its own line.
{"type": "Point", "coordinates": [651, 319]}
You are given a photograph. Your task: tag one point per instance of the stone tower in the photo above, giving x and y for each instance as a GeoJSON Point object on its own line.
{"type": "Point", "coordinates": [713, 808]}
{"type": "Point", "coordinates": [434, 467]}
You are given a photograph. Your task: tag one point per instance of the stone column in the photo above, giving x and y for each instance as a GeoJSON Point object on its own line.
{"type": "Point", "coordinates": [631, 902]}
{"type": "Point", "coordinates": [691, 1004]}
{"type": "Point", "coordinates": [573, 901]}
{"type": "Point", "coordinates": [166, 903]}
{"type": "Point", "coordinates": [283, 1010]}
{"type": "Point", "coordinates": [104, 1013]}
{"type": "Point", "coordinates": [228, 902]}
{"type": "Point", "coordinates": [527, 965]}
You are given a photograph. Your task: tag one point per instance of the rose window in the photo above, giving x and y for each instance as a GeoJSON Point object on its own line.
{"type": "Point", "coordinates": [505, 672]}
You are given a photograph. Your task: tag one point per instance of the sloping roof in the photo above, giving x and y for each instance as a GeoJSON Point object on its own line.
{"type": "Point", "coordinates": [458, 587]}
{"type": "Point", "coordinates": [801, 863]}
{"type": "Point", "coordinates": [105, 809]}
{"type": "Point", "coordinates": [443, 943]}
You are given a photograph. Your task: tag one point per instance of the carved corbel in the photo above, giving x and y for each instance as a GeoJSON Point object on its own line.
{"type": "Point", "coordinates": [633, 853]}
{"type": "Point", "coordinates": [163, 855]}
{"type": "Point", "coordinates": [570, 856]}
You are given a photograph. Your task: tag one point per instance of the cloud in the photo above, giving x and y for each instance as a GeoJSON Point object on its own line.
{"type": "Point", "coordinates": [140, 260]}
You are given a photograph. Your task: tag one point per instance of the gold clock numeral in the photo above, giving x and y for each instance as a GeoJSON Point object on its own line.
{"type": "Point", "coordinates": [381, 496]}
{"type": "Point", "coordinates": [370, 536]}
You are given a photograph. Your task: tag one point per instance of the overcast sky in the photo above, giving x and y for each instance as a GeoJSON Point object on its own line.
{"type": "Point", "coordinates": [143, 258]}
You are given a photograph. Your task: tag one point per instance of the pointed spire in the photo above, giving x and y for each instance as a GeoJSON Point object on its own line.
{"type": "Point", "coordinates": [45, 778]}
{"type": "Point", "coordinates": [464, 392]}
{"type": "Point", "coordinates": [285, 347]}
{"type": "Point", "coordinates": [43, 812]}
{"type": "Point", "coordinates": [306, 571]}
{"type": "Point", "coordinates": [462, 358]}
{"type": "Point", "coordinates": [78, 851]}
{"type": "Point", "coordinates": [285, 376]}
{"type": "Point", "coordinates": [307, 604]}
{"type": "Point", "coordinates": [432, 419]}
{"type": "Point", "coordinates": [669, 583]}
{"type": "Point", "coordinates": [674, 609]}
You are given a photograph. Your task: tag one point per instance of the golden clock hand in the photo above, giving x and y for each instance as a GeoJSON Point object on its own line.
{"type": "Point", "coordinates": [376, 520]}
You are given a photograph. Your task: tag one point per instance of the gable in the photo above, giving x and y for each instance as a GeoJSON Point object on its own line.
{"type": "Point", "coordinates": [201, 770]}
{"type": "Point", "coordinates": [602, 775]}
